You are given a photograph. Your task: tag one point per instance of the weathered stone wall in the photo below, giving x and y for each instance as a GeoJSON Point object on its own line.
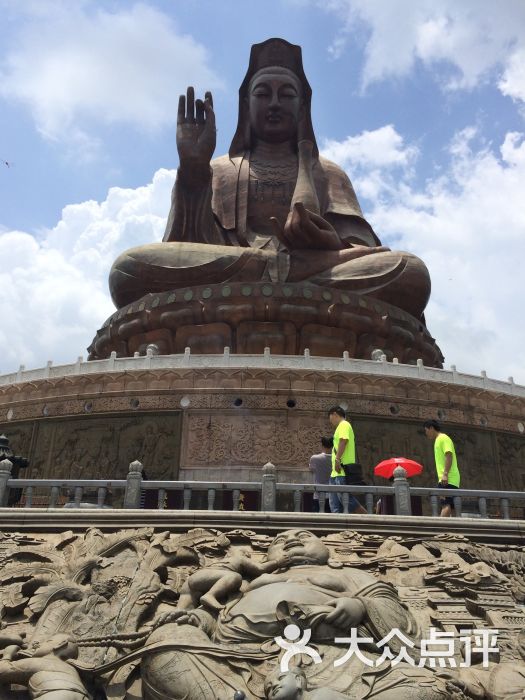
{"type": "Point", "coordinates": [91, 447]}
{"type": "Point", "coordinates": [213, 424]}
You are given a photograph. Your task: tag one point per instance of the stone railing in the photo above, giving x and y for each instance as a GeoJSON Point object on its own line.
{"type": "Point", "coordinates": [306, 361]}
{"type": "Point", "coordinates": [270, 495]}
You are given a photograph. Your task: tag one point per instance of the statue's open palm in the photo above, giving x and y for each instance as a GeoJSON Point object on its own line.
{"type": "Point", "coordinates": [196, 132]}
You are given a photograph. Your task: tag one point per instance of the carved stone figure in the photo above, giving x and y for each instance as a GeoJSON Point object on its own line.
{"type": "Point", "coordinates": [270, 211]}
{"type": "Point", "coordinates": [503, 682]}
{"type": "Point", "coordinates": [129, 603]}
{"type": "Point", "coordinates": [47, 673]}
{"type": "Point", "coordinates": [215, 583]}
{"type": "Point", "coordinates": [232, 653]}
{"type": "Point", "coordinates": [293, 685]}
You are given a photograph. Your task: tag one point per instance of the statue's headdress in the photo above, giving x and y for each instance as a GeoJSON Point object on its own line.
{"type": "Point", "coordinates": [272, 52]}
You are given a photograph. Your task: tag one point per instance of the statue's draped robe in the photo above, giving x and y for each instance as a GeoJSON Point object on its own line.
{"type": "Point", "coordinates": [228, 193]}
{"type": "Point", "coordinates": [208, 240]}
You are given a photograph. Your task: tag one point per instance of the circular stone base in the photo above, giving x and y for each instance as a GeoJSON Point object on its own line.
{"type": "Point", "coordinates": [287, 318]}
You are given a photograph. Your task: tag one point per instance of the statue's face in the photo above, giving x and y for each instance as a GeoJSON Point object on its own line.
{"type": "Point", "coordinates": [283, 686]}
{"type": "Point", "coordinates": [301, 546]}
{"type": "Point", "coordinates": [275, 104]}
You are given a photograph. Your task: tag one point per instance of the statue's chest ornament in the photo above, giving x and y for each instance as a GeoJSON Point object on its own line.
{"type": "Point", "coordinates": [271, 191]}
{"type": "Point", "coordinates": [273, 181]}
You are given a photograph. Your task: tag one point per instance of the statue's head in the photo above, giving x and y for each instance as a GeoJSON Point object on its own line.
{"type": "Point", "coordinates": [275, 105]}
{"type": "Point", "coordinates": [285, 685]}
{"type": "Point", "coordinates": [274, 98]}
{"type": "Point", "coordinates": [301, 546]}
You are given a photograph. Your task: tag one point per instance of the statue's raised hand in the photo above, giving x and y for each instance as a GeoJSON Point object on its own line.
{"type": "Point", "coordinates": [196, 132]}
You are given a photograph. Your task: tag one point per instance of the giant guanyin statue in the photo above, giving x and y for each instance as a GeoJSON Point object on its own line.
{"type": "Point", "coordinates": [275, 214]}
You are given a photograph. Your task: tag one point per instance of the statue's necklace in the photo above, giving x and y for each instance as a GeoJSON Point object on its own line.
{"type": "Point", "coordinates": [274, 164]}
{"type": "Point", "coordinates": [275, 173]}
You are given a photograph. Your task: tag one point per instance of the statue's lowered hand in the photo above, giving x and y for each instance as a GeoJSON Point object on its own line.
{"type": "Point", "coordinates": [464, 681]}
{"type": "Point", "coordinates": [305, 230]}
{"type": "Point", "coordinates": [347, 613]}
{"type": "Point", "coordinates": [196, 133]}
{"type": "Point", "coordinates": [197, 618]}
{"type": "Point", "coordinates": [180, 617]}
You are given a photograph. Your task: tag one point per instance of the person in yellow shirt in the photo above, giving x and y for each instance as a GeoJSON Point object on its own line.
{"type": "Point", "coordinates": [446, 463]}
{"type": "Point", "coordinates": [343, 458]}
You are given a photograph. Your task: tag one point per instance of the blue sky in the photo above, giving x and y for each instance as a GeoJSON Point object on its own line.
{"type": "Point", "coordinates": [422, 102]}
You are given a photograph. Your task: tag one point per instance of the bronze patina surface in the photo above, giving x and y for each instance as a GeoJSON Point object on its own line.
{"type": "Point", "coordinates": [270, 212]}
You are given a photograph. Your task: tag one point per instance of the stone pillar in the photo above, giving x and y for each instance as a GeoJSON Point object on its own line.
{"type": "Point", "coordinates": [403, 505]}
{"type": "Point", "coordinates": [133, 485]}
{"type": "Point", "coordinates": [269, 490]}
{"type": "Point", "coordinates": [5, 474]}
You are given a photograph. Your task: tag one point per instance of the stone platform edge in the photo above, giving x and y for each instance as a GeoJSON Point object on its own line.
{"type": "Point", "coordinates": [188, 360]}
{"type": "Point", "coordinates": [495, 532]}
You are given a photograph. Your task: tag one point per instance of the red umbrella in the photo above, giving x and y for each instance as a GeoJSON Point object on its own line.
{"type": "Point", "coordinates": [387, 466]}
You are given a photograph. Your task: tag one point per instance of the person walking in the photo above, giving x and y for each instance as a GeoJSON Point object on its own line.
{"type": "Point", "coordinates": [321, 466]}
{"type": "Point", "coordinates": [343, 457]}
{"type": "Point", "coordinates": [446, 463]}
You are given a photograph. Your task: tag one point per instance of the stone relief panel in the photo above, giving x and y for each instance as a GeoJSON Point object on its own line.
{"type": "Point", "coordinates": [218, 436]}
{"type": "Point", "coordinates": [477, 458]}
{"type": "Point", "coordinates": [20, 437]}
{"type": "Point", "coordinates": [511, 453]}
{"type": "Point", "coordinates": [288, 439]}
{"type": "Point", "coordinates": [233, 439]}
{"type": "Point", "coordinates": [101, 448]}
{"type": "Point", "coordinates": [198, 614]}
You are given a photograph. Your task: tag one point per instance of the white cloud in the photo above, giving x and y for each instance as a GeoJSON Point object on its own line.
{"type": "Point", "coordinates": [466, 42]}
{"type": "Point", "coordinates": [512, 82]}
{"type": "Point", "coordinates": [54, 290]}
{"type": "Point", "coordinates": [375, 159]}
{"type": "Point", "coordinates": [74, 66]}
{"type": "Point", "coordinates": [382, 147]}
{"type": "Point", "coordinates": [468, 226]}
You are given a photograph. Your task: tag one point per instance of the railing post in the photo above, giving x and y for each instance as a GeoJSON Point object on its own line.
{"type": "Point", "coordinates": [482, 505]}
{"type": "Point", "coordinates": [5, 474]}
{"type": "Point", "coordinates": [133, 484]}
{"type": "Point", "coordinates": [369, 499]}
{"type": "Point", "coordinates": [403, 505]}
{"type": "Point", "coordinates": [269, 488]}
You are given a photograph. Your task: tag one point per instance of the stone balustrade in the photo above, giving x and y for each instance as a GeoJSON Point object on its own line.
{"type": "Point", "coordinates": [69, 493]}
{"type": "Point", "coordinates": [188, 360]}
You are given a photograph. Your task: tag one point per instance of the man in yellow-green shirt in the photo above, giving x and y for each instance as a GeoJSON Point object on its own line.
{"type": "Point", "coordinates": [446, 463]}
{"type": "Point", "coordinates": [343, 455]}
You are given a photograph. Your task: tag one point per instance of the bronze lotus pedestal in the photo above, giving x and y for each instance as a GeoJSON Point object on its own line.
{"type": "Point", "coordinates": [249, 317]}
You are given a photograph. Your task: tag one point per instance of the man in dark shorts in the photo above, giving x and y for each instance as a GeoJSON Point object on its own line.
{"type": "Point", "coordinates": [321, 466]}
{"type": "Point", "coordinates": [446, 463]}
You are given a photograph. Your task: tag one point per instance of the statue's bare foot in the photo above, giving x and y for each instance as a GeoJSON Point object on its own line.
{"type": "Point", "coordinates": [211, 602]}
